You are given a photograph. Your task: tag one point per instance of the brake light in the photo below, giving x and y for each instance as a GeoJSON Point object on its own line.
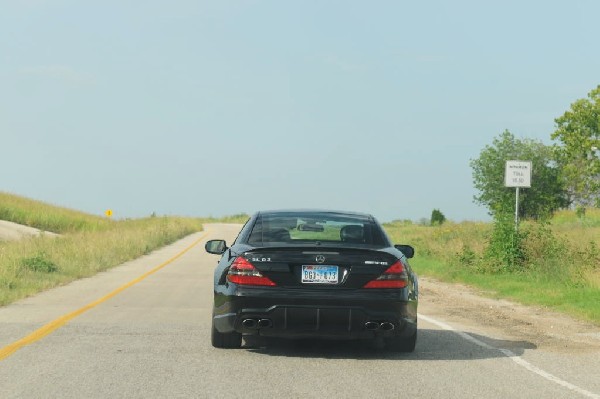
{"type": "Point", "coordinates": [394, 277]}
{"type": "Point", "coordinates": [243, 272]}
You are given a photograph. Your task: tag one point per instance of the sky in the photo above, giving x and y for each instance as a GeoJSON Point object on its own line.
{"type": "Point", "coordinates": [212, 108]}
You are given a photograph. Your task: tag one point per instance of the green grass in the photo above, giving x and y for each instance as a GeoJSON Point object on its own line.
{"type": "Point", "coordinates": [87, 245]}
{"type": "Point", "coordinates": [28, 212]}
{"type": "Point", "coordinates": [562, 271]}
{"type": "Point", "coordinates": [529, 289]}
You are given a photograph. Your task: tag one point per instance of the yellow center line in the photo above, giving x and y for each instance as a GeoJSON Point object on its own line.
{"type": "Point", "coordinates": [61, 321]}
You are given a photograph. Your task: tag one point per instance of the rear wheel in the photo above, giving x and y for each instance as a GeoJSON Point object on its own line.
{"type": "Point", "coordinates": [402, 344]}
{"type": "Point", "coordinates": [225, 340]}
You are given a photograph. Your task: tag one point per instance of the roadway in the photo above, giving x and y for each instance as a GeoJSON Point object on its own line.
{"type": "Point", "coordinates": [151, 339]}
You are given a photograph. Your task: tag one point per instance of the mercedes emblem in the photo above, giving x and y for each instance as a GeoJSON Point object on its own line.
{"type": "Point", "coordinates": [320, 259]}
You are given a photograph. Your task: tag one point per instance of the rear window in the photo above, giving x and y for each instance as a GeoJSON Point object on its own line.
{"type": "Point", "coordinates": [299, 228]}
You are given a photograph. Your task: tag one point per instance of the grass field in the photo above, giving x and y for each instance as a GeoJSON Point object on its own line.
{"type": "Point", "coordinates": [561, 271]}
{"type": "Point", "coordinates": [561, 268]}
{"type": "Point", "coordinates": [87, 244]}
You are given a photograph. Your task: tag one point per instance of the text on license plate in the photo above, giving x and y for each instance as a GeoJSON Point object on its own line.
{"type": "Point", "coordinates": [319, 274]}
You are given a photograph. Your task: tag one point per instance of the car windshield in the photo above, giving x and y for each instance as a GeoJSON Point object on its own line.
{"type": "Point", "coordinates": [311, 227]}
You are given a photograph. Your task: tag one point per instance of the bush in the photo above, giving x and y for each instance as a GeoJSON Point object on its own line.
{"type": "Point", "coordinates": [467, 257]}
{"type": "Point", "coordinates": [39, 263]}
{"type": "Point", "coordinates": [505, 251]}
{"type": "Point", "coordinates": [437, 217]}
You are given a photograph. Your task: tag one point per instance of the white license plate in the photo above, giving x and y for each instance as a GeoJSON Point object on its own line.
{"type": "Point", "coordinates": [319, 274]}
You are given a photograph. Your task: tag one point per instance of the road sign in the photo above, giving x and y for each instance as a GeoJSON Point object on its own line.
{"type": "Point", "coordinates": [517, 174]}
{"type": "Point", "coordinates": [108, 213]}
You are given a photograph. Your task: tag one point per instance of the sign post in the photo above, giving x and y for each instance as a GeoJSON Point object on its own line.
{"type": "Point", "coordinates": [517, 174]}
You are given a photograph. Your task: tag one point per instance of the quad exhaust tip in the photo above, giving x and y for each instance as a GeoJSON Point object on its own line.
{"type": "Point", "coordinates": [374, 325]}
{"type": "Point", "coordinates": [249, 323]}
{"type": "Point", "coordinates": [386, 326]}
{"type": "Point", "coordinates": [257, 323]}
{"type": "Point", "coordinates": [265, 323]}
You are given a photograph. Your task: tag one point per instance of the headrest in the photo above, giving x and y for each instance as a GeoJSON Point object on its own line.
{"type": "Point", "coordinates": [352, 233]}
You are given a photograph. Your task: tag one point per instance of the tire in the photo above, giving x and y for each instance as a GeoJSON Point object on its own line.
{"type": "Point", "coordinates": [225, 340]}
{"type": "Point", "coordinates": [405, 345]}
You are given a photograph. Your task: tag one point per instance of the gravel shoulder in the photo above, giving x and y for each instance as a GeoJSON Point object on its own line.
{"type": "Point", "coordinates": [473, 311]}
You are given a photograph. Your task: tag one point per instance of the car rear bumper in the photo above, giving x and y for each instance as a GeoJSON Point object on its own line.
{"type": "Point", "coordinates": [339, 315]}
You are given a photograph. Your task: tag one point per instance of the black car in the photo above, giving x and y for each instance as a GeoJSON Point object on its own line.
{"type": "Point", "coordinates": [321, 274]}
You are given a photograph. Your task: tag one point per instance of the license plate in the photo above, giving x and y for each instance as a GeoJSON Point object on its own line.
{"type": "Point", "coordinates": [319, 274]}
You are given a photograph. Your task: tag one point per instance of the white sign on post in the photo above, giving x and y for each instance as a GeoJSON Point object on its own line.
{"type": "Point", "coordinates": [517, 174]}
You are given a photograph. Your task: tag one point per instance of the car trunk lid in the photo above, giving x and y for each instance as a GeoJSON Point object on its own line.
{"type": "Point", "coordinates": [327, 268]}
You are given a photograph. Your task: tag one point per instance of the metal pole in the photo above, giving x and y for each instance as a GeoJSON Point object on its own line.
{"type": "Point", "coordinates": [517, 211]}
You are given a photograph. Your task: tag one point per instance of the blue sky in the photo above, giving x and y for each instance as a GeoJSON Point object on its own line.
{"type": "Point", "coordinates": [205, 108]}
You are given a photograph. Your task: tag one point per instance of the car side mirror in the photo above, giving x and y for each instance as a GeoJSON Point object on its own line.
{"type": "Point", "coordinates": [407, 250]}
{"type": "Point", "coordinates": [216, 247]}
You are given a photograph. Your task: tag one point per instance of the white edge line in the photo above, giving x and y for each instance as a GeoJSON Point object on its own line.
{"type": "Point", "coordinates": [512, 356]}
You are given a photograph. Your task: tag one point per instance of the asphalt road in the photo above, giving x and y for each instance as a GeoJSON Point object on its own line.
{"type": "Point", "coordinates": [152, 340]}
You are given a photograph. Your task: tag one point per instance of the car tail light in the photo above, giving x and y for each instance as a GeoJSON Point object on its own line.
{"type": "Point", "coordinates": [243, 272]}
{"type": "Point", "coordinates": [394, 277]}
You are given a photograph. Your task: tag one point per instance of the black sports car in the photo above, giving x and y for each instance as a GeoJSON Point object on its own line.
{"type": "Point", "coordinates": [319, 274]}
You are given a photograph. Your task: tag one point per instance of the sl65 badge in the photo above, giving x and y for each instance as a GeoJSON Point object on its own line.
{"type": "Point", "coordinates": [261, 259]}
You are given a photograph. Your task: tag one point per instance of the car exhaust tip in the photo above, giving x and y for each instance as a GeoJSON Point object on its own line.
{"type": "Point", "coordinates": [265, 323]}
{"type": "Point", "coordinates": [372, 325]}
{"type": "Point", "coordinates": [387, 326]}
{"type": "Point", "coordinates": [249, 323]}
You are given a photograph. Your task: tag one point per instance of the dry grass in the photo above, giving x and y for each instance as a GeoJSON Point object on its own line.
{"type": "Point", "coordinates": [579, 232]}
{"type": "Point", "coordinates": [88, 244]}
{"type": "Point", "coordinates": [34, 264]}
{"type": "Point", "coordinates": [571, 241]}
{"type": "Point", "coordinates": [443, 241]}
{"type": "Point", "coordinates": [43, 216]}
{"type": "Point", "coordinates": [561, 268]}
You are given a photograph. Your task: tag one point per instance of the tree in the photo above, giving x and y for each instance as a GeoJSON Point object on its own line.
{"type": "Point", "coordinates": [437, 217]}
{"type": "Point", "coordinates": [546, 194]}
{"type": "Point", "coordinates": [578, 131]}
